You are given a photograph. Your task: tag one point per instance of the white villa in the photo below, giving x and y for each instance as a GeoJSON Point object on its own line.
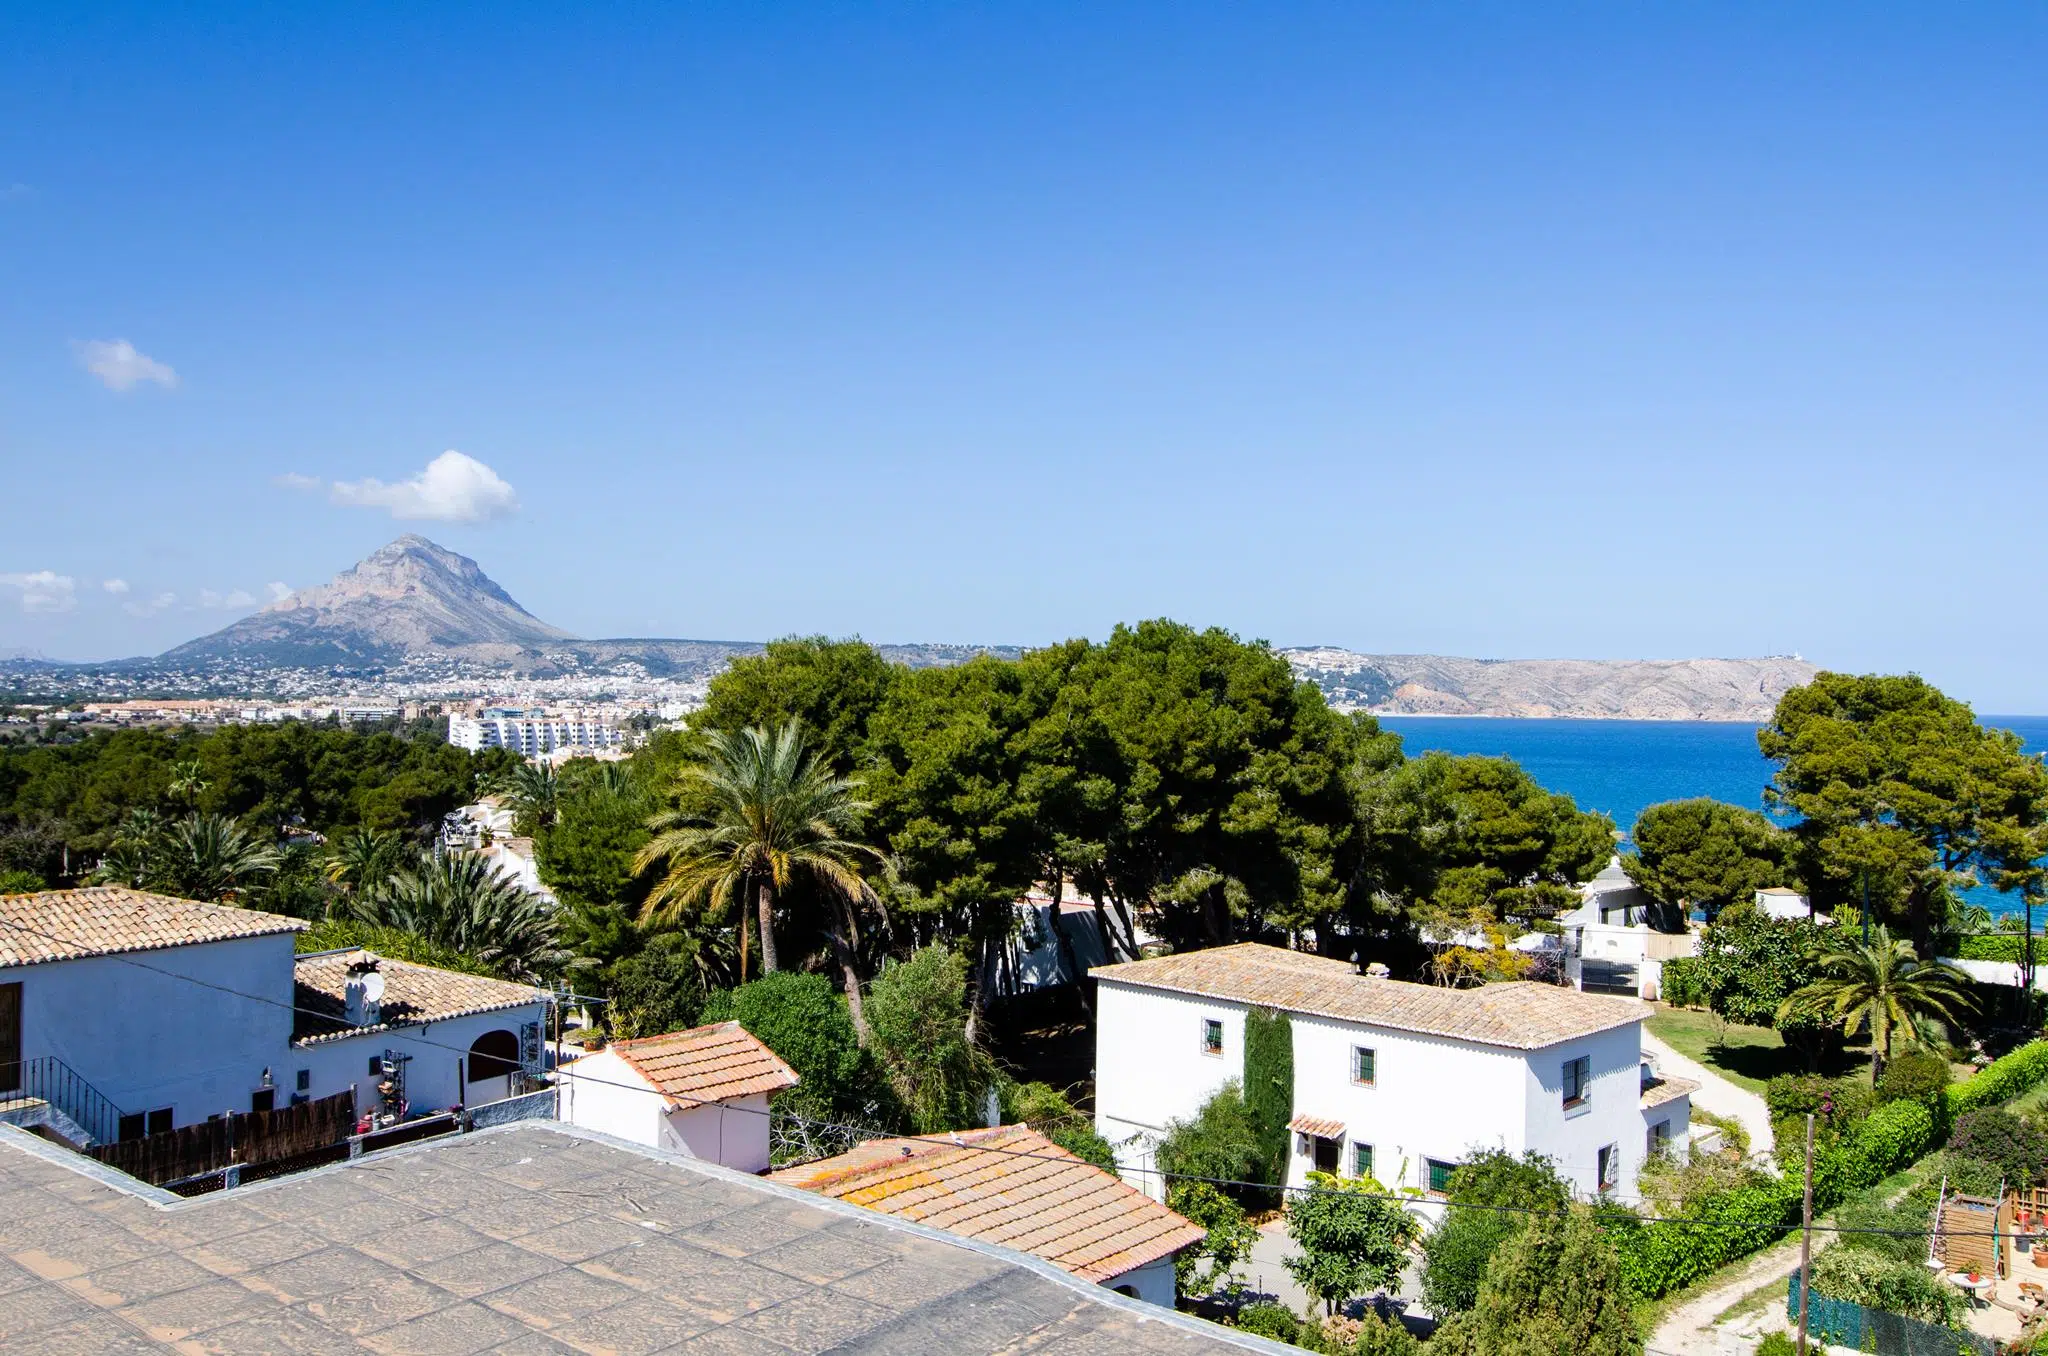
{"type": "Point", "coordinates": [130, 1013]}
{"type": "Point", "coordinates": [702, 1092]}
{"type": "Point", "coordinates": [1392, 1080]}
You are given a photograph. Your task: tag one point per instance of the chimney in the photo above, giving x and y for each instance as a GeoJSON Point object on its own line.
{"type": "Point", "coordinates": [364, 992]}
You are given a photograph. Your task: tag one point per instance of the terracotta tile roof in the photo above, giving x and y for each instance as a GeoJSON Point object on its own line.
{"type": "Point", "coordinates": [413, 994]}
{"type": "Point", "coordinates": [1317, 1126]}
{"type": "Point", "coordinates": [1668, 1090]}
{"type": "Point", "coordinates": [105, 920]}
{"type": "Point", "coordinates": [707, 1064]}
{"type": "Point", "coordinates": [1520, 1016]}
{"type": "Point", "coordinates": [1009, 1185]}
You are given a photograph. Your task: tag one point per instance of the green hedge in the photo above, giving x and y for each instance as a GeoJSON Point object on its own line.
{"type": "Point", "coordinates": [1997, 946]}
{"type": "Point", "coordinates": [1660, 1256]}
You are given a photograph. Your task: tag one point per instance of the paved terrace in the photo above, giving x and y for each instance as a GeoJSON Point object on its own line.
{"type": "Point", "coordinates": [528, 1238]}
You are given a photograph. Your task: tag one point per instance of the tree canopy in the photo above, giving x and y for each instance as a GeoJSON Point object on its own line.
{"type": "Point", "coordinates": [1706, 853]}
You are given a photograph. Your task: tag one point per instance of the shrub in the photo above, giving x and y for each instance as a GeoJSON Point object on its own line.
{"type": "Point", "coordinates": [1276, 1321]}
{"type": "Point", "coordinates": [1456, 1252]}
{"type": "Point", "coordinates": [657, 989]}
{"type": "Point", "coordinates": [917, 1012]}
{"type": "Point", "coordinates": [1836, 1104]}
{"type": "Point", "coordinates": [1970, 1176]}
{"type": "Point", "coordinates": [1555, 1289]}
{"type": "Point", "coordinates": [1083, 1143]}
{"type": "Point", "coordinates": [1378, 1336]}
{"type": "Point", "coordinates": [1684, 984]}
{"type": "Point", "coordinates": [1892, 1231]}
{"type": "Point", "coordinates": [1916, 1075]}
{"type": "Point", "coordinates": [1200, 1269]}
{"type": "Point", "coordinates": [1864, 1277]}
{"type": "Point", "coordinates": [1353, 1238]}
{"type": "Point", "coordinates": [2018, 1147]}
{"type": "Point", "coordinates": [21, 883]}
{"type": "Point", "coordinates": [803, 1019]}
{"type": "Point", "coordinates": [1777, 1344]}
{"type": "Point", "coordinates": [1218, 1142]}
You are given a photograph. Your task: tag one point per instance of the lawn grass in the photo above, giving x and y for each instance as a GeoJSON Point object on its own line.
{"type": "Point", "coordinates": [1747, 1056]}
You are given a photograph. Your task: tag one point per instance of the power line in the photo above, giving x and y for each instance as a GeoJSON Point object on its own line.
{"type": "Point", "coordinates": [870, 1132]}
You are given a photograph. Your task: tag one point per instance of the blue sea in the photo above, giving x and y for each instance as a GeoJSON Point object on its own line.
{"type": "Point", "coordinates": [1621, 766]}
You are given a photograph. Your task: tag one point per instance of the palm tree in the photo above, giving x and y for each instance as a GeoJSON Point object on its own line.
{"type": "Point", "coordinates": [360, 859]}
{"type": "Point", "coordinates": [208, 857]}
{"type": "Point", "coordinates": [531, 790]}
{"type": "Point", "coordinates": [188, 781]}
{"type": "Point", "coordinates": [459, 901]}
{"type": "Point", "coordinates": [772, 813]}
{"type": "Point", "coordinates": [1882, 984]}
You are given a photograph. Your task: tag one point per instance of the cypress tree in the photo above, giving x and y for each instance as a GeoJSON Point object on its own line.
{"type": "Point", "coordinates": [1269, 1085]}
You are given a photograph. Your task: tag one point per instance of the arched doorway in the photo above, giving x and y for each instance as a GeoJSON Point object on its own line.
{"type": "Point", "coordinates": [493, 1059]}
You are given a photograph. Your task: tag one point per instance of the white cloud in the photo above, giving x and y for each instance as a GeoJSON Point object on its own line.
{"type": "Point", "coordinates": [278, 590]}
{"type": "Point", "coordinates": [43, 590]}
{"type": "Point", "coordinates": [120, 366]}
{"type": "Point", "coordinates": [235, 598]}
{"type": "Point", "coordinates": [153, 606]}
{"type": "Point", "coordinates": [292, 480]}
{"type": "Point", "coordinates": [114, 586]}
{"type": "Point", "coordinates": [453, 489]}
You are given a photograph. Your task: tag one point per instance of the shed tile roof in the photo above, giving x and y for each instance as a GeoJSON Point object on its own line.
{"type": "Point", "coordinates": [413, 994]}
{"type": "Point", "coordinates": [105, 920]}
{"type": "Point", "coordinates": [1009, 1185]}
{"type": "Point", "coordinates": [1668, 1090]}
{"type": "Point", "coordinates": [1519, 1016]}
{"type": "Point", "coordinates": [707, 1064]}
{"type": "Point", "coordinates": [1319, 1126]}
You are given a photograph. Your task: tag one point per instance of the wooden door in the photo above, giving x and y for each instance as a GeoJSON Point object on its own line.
{"type": "Point", "coordinates": [10, 1036]}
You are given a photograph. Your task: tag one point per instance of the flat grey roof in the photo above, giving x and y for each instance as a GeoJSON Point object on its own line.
{"type": "Point", "coordinates": [527, 1238]}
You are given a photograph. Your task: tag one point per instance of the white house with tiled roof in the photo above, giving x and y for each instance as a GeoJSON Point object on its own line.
{"type": "Point", "coordinates": [1013, 1186]}
{"type": "Point", "coordinates": [1392, 1080]}
{"type": "Point", "coordinates": [126, 1013]}
{"type": "Point", "coordinates": [702, 1092]}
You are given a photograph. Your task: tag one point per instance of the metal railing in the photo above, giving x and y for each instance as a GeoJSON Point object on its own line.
{"type": "Point", "coordinates": [50, 1080]}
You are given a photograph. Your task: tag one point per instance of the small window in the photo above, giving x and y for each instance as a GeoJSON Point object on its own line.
{"type": "Point", "coordinates": [131, 1127]}
{"type": "Point", "coordinates": [1212, 1036]}
{"type": "Point", "coordinates": [1659, 1139]}
{"type": "Point", "coordinates": [1361, 1159]}
{"type": "Point", "coordinates": [1610, 1167]}
{"type": "Point", "coordinates": [160, 1121]}
{"type": "Point", "coordinates": [1578, 1078]}
{"type": "Point", "coordinates": [1365, 1066]}
{"type": "Point", "coordinates": [305, 1080]}
{"type": "Point", "coordinates": [1439, 1174]}
{"type": "Point", "coordinates": [263, 1099]}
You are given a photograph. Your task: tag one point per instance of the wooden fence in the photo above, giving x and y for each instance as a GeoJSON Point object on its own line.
{"type": "Point", "coordinates": [249, 1137]}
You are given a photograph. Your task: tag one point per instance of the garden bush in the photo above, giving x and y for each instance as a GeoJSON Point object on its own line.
{"type": "Point", "coordinates": [1916, 1075]}
{"type": "Point", "coordinates": [1379, 1336]}
{"type": "Point", "coordinates": [1836, 1104]}
{"type": "Point", "coordinates": [2000, 1081]}
{"type": "Point", "coordinates": [1892, 1231]}
{"type": "Point", "coordinates": [1683, 984]}
{"type": "Point", "coordinates": [1777, 1344]}
{"type": "Point", "coordinates": [1993, 1134]}
{"type": "Point", "coordinates": [1276, 1321]}
{"type": "Point", "coordinates": [1864, 1277]}
{"type": "Point", "coordinates": [1219, 1142]}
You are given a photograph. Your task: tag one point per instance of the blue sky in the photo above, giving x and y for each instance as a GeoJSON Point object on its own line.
{"type": "Point", "coordinates": [1523, 330]}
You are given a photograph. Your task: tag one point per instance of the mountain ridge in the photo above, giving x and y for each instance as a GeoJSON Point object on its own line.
{"type": "Point", "coordinates": [414, 598]}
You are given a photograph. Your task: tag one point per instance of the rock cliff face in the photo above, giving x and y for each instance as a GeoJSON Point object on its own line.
{"type": "Point", "coordinates": [1614, 689]}
{"type": "Point", "coordinates": [410, 597]}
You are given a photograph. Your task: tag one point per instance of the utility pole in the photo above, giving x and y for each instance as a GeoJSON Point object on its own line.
{"type": "Point", "coordinates": [1806, 1239]}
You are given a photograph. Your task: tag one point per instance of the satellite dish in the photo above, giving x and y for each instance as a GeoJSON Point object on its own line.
{"type": "Point", "coordinates": [373, 987]}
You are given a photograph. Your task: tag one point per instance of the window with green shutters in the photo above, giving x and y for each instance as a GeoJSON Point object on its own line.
{"type": "Point", "coordinates": [1365, 1064]}
{"type": "Point", "coordinates": [1361, 1160]}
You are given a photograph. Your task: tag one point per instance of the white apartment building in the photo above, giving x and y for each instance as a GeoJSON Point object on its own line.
{"type": "Point", "coordinates": [533, 735]}
{"type": "Point", "coordinates": [1392, 1080]}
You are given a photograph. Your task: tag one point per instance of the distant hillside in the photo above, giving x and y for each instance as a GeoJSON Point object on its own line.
{"type": "Point", "coordinates": [1616, 689]}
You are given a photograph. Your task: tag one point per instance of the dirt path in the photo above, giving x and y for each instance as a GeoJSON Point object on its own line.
{"type": "Point", "coordinates": [1688, 1330]}
{"type": "Point", "coordinates": [1716, 1093]}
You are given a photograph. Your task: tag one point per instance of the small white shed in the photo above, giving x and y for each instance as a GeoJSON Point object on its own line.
{"type": "Point", "coordinates": [702, 1092]}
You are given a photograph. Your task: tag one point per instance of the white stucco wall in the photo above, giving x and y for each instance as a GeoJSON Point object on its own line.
{"type": "Point", "coordinates": [147, 1037]}
{"type": "Point", "coordinates": [438, 1049]}
{"type": "Point", "coordinates": [733, 1134]}
{"type": "Point", "coordinates": [1152, 1283]}
{"type": "Point", "coordinates": [1150, 1068]}
{"type": "Point", "coordinates": [1612, 1112]}
{"type": "Point", "coordinates": [602, 1092]}
{"type": "Point", "coordinates": [1432, 1098]}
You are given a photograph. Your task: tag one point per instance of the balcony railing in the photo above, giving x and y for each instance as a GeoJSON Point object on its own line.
{"type": "Point", "coordinates": [56, 1084]}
